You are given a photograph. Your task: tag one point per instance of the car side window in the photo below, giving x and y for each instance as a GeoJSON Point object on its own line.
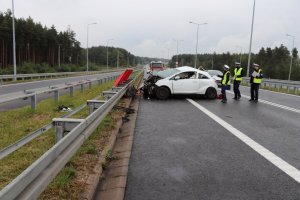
{"type": "Point", "coordinates": [202, 76]}
{"type": "Point", "coordinates": [187, 75]}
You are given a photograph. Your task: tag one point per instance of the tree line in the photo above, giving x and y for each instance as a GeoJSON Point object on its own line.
{"type": "Point", "coordinates": [275, 62]}
{"type": "Point", "coordinates": [41, 49]}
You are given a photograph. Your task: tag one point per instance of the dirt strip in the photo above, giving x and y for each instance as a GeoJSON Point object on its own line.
{"type": "Point", "coordinates": [113, 181]}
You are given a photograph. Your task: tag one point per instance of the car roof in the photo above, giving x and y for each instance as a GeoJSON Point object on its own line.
{"type": "Point", "coordinates": [187, 68]}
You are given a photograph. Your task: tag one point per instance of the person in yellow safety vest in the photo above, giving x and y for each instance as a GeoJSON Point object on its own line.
{"type": "Point", "coordinates": [225, 83]}
{"type": "Point", "coordinates": [237, 78]}
{"type": "Point", "coordinates": [255, 81]}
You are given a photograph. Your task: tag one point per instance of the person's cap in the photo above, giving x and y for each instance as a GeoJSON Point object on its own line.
{"type": "Point", "coordinates": [226, 67]}
{"type": "Point", "coordinates": [237, 63]}
{"type": "Point", "coordinates": [255, 65]}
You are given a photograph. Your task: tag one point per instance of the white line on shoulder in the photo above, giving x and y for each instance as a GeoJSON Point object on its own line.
{"type": "Point", "coordinates": [273, 104]}
{"type": "Point", "coordinates": [293, 95]}
{"type": "Point", "coordinates": [274, 159]}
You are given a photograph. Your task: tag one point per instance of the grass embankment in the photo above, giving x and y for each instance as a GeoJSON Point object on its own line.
{"type": "Point", "coordinates": [15, 124]}
{"type": "Point", "coordinates": [71, 181]}
{"type": "Point", "coordinates": [281, 90]}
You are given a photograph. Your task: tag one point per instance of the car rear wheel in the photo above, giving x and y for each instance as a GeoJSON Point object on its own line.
{"type": "Point", "coordinates": [162, 93]}
{"type": "Point", "coordinates": [211, 93]}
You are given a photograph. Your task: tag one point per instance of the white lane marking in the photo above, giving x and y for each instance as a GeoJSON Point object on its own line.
{"type": "Point", "coordinates": [272, 104]}
{"type": "Point", "coordinates": [293, 95]}
{"type": "Point", "coordinates": [274, 159]}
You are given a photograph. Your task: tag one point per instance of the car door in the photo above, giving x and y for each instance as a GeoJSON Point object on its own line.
{"type": "Point", "coordinates": [185, 83]}
{"type": "Point", "coordinates": [203, 83]}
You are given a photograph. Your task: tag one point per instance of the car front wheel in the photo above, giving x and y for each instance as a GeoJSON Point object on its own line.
{"type": "Point", "coordinates": [211, 93]}
{"type": "Point", "coordinates": [162, 93]}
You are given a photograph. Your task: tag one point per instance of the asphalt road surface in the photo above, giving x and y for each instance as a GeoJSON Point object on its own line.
{"type": "Point", "coordinates": [201, 149]}
{"type": "Point", "coordinates": [5, 89]}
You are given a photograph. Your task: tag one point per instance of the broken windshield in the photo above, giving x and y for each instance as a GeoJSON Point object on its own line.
{"type": "Point", "coordinates": [167, 72]}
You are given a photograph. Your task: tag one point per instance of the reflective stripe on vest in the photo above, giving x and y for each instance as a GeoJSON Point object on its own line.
{"type": "Point", "coordinates": [225, 79]}
{"type": "Point", "coordinates": [238, 72]}
{"type": "Point", "coordinates": [257, 80]}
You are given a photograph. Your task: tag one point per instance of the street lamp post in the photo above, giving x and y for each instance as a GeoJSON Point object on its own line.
{"type": "Point", "coordinates": [290, 71]}
{"type": "Point", "coordinates": [107, 53]}
{"type": "Point", "coordinates": [87, 45]}
{"type": "Point", "coordinates": [177, 41]}
{"type": "Point", "coordinates": [118, 59]}
{"type": "Point", "coordinates": [14, 42]}
{"type": "Point", "coordinates": [59, 56]}
{"type": "Point", "coordinates": [197, 40]}
{"type": "Point", "coordinates": [240, 53]}
{"type": "Point", "coordinates": [249, 57]}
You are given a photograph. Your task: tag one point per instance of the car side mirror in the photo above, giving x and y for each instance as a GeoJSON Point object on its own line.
{"type": "Point", "coordinates": [176, 78]}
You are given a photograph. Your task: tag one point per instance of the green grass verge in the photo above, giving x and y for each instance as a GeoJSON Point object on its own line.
{"type": "Point", "coordinates": [68, 184]}
{"type": "Point", "coordinates": [15, 124]}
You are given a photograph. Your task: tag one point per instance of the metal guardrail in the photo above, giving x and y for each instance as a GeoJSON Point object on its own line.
{"type": "Point", "coordinates": [278, 84]}
{"type": "Point", "coordinates": [31, 182]}
{"type": "Point", "coordinates": [4, 78]}
{"type": "Point", "coordinates": [13, 147]}
{"type": "Point", "coordinates": [32, 94]}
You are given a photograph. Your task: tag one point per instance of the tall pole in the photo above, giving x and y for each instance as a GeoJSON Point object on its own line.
{"type": "Point", "coordinates": [249, 57]}
{"type": "Point", "coordinates": [240, 54]}
{"type": "Point", "coordinates": [177, 41]}
{"type": "Point", "coordinates": [212, 62]}
{"type": "Point", "coordinates": [117, 58]}
{"type": "Point", "coordinates": [291, 63]}
{"type": "Point", "coordinates": [195, 65]}
{"type": "Point", "coordinates": [59, 56]}
{"type": "Point", "coordinates": [14, 41]}
{"type": "Point", "coordinates": [87, 45]}
{"type": "Point", "coordinates": [107, 53]}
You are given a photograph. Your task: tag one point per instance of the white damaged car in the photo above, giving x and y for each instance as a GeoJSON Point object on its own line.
{"type": "Point", "coordinates": [181, 80]}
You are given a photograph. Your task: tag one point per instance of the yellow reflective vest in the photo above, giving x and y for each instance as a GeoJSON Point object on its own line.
{"type": "Point", "coordinates": [224, 80]}
{"type": "Point", "coordinates": [238, 72]}
{"type": "Point", "coordinates": [257, 80]}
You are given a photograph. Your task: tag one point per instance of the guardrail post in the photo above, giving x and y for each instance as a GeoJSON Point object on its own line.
{"type": "Point", "coordinates": [33, 101]}
{"type": "Point", "coordinates": [94, 105]}
{"type": "Point", "coordinates": [108, 94]}
{"type": "Point", "coordinates": [81, 87]}
{"type": "Point", "coordinates": [99, 81]}
{"type": "Point", "coordinates": [71, 91]}
{"type": "Point", "coordinates": [116, 89]}
{"type": "Point", "coordinates": [63, 126]}
{"type": "Point", "coordinates": [56, 95]}
{"type": "Point", "coordinates": [90, 85]}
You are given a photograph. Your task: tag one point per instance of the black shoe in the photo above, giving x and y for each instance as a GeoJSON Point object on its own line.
{"type": "Point", "coordinates": [255, 101]}
{"type": "Point", "coordinates": [239, 98]}
{"type": "Point", "coordinates": [251, 99]}
{"type": "Point", "coordinates": [224, 101]}
{"type": "Point", "coordinates": [234, 98]}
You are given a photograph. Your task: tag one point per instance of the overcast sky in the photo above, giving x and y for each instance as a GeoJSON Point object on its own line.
{"type": "Point", "coordinates": [149, 27]}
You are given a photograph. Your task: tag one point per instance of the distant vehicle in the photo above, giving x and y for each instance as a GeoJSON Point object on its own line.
{"type": "Point", "coordinates": [181, 80]}
{"type": "Point", "coordinates": [156, 66]}
{"type": "Point", "coordinates": [216, 75]}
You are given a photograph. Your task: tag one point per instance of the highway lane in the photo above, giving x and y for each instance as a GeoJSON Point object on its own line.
{"type": "Point", "coordinates": [4, 89]}
{"type": "Point", "coordinates": [179, 152]}
{"type": "Point", "coordinates": [37, 84]}
{"type": "Point", "coordinates": [276, 97]}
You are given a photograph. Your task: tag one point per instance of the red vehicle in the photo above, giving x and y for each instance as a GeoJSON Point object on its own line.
{"type": "Point", "coordinates": [156, 66]}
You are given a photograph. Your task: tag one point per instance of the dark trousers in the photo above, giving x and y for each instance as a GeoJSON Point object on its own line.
{"type": "Point", "coordinates": [254, 91]}
{"type": "Point", "coordinates": [223, 91]}
{"type": "Point", "coordinates": [236, 89]}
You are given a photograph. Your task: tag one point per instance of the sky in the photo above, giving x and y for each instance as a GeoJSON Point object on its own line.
{"type": "Point", "coordinates": [151, 27]}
